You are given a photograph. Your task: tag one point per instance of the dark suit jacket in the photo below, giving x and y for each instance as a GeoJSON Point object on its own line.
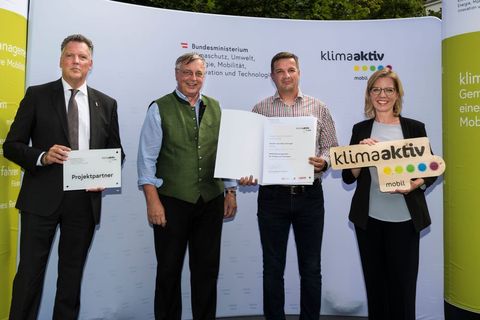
{"type": "Point", "coordinates": [42, 118]}
{"type": "Point", "coordinates": [416, 204]}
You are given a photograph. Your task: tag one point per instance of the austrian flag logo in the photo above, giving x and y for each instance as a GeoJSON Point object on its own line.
{"type": "Point", "coordinates": [184, 45]}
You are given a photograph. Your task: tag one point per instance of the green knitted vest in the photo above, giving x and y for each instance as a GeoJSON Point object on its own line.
{"type": "Point", "coordinates": [186, 162]}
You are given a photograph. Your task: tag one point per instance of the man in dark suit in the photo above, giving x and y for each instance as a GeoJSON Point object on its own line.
{"type": "Point", "coordinates": [53, 119]}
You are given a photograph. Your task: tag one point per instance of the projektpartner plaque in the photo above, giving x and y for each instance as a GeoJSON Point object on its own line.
{"type": "Point", "coordinates": [97, 168]}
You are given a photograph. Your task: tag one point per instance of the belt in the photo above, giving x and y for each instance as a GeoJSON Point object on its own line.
{"type": "Point", "coordinates": [294, 189]}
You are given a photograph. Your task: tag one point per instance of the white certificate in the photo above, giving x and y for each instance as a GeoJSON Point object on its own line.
{"type": "Point", "coordinates": [96, 168]}
{"type": "Point", "coordinates": [240, 145]}
{"type": "Point", "coordinates": [288, 143]}
{"type": "Point", "coordinates": [272, 150]}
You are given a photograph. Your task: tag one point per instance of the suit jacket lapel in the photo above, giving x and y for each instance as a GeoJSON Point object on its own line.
{"type": "Point", "coordinates": [58, 102]}
{"type": "Point", "coordinates": [369, 127]}
{"type": "Point", "coordinates": [405, 128]}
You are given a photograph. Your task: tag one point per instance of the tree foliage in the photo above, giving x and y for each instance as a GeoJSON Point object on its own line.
{"type": "Point", "coordinates": [299, 9]}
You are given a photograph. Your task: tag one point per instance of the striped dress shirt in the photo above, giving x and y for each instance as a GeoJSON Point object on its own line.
{"type": "Point", "coordinates": [304, 106]}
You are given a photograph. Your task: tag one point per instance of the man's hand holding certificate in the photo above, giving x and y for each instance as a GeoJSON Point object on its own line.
{"type": "Point", "coordinates": [92, 169]}
{"type": "Point", "coordinates": [273, 150]}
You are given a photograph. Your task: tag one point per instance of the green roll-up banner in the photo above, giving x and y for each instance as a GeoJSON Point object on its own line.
{"type": "Point", "coordinates": [461, 145]}
{"type": "Point", "coordinates": [13, 39]}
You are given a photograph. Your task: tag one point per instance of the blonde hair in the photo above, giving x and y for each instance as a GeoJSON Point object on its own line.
{"type": "Point", "coordinates": [384, 73]}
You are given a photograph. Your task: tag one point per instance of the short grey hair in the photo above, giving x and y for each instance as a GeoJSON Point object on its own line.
{"type": "Point", "coordinates": [77, 38]}
{"type": "Point", "coordinates": [188, 58]}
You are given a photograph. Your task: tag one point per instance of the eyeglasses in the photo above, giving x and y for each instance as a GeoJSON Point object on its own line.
{"type": "Point", "coordinates": [189, 73]}
{"type": "Point", "coordinates": [389, 91]}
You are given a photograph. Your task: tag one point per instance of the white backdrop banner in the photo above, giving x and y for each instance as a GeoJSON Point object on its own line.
{"type": "Point", "coordinates": [135, 52]}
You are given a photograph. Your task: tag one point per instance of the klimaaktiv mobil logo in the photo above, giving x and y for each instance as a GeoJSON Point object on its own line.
{"type": "Point", "coordinates": [361, 61]}
{"type": "Point", "coordinates": [397, 161]}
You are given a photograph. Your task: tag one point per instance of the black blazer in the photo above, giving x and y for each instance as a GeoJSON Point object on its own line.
{"type": "Point", "coordinates": [416, 203]}
{"type": "Point", "coordinates": [42, 119]}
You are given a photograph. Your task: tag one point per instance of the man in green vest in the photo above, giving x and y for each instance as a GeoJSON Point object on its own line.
{"type": "Point", "coordinates": [185, 204]}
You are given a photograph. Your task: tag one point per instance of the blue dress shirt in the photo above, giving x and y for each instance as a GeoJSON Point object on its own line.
{"type": "Point", "coordinates": [150, 144]}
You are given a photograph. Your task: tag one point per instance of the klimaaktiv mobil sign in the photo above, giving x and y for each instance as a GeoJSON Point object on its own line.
{"type": "Point", "coordinates": [397, 161]}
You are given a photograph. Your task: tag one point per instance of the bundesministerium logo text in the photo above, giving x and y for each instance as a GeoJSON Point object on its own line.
{"type": "Point", "coordinates": [397, 161]}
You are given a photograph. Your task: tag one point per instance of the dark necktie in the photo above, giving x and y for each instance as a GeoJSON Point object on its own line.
{"type": "Point", "coordinates": [73, 120]}
{"type": "Point", "coordinates": [201, 111]}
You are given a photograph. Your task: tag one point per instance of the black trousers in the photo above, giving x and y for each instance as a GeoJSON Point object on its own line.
{"type": "Point", "coordinates": [75, 219]}
{"type": "Point", "coordinates": [389, 252]}
{"type": "Point", "coordinates": [278, 211]}
{"type": "Point", "coordinates": [196, 226]}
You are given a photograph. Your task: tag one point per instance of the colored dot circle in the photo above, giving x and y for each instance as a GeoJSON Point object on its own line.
{"type": "Point", "coordinates": [434, 165]}
{"type": "Point", "coordinates": [387, 170]}
{"type": "Point", "coordinates": [365, 68]}
{"type": "Point", "coordinates": [380, 67]}
{"type": "Point", "coordinates": [373, 68]}
{"type": "Point", "coordinates": [356, 68]}
{"type": "Point", "coordinates": [399, 169]}
{"type": "Point", "coordinates": [410, 168]}
{"type": "Point", "coordinates": [422, 167]}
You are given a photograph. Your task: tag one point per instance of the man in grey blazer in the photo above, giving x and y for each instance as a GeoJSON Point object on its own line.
{"type": "Point", "coordinates": [39, 141]}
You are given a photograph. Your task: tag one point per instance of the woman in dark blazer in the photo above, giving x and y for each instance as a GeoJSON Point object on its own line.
{"type": "Point", "coordinates": [387, 225]}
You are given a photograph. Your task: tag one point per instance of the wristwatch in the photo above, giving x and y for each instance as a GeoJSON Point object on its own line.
{"type": "Point", "coordinates": [325, 167]}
